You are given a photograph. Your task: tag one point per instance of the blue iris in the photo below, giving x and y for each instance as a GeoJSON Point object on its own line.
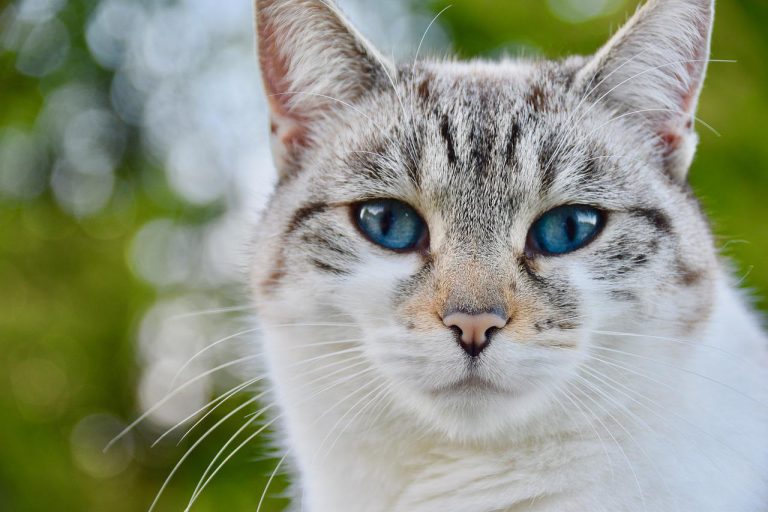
{"type": "Point", "coordinates": [391, 224]}
{"type": "Point", "coordinates": [566, 229]}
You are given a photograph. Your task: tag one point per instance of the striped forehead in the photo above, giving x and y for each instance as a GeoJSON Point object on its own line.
{"type": "Point", "coordinates": [477, 138]}
{"type": "Point", "coordinates": [475, 143]}
{"type": "Point", "coordinates": [483, 149]}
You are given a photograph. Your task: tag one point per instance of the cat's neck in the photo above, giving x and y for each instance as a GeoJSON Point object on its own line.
{"type": "Point", "coordinates": [353, 449]}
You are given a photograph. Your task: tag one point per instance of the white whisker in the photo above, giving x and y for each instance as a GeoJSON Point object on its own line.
{"type": "Point", "coordinates": [191, 449]}
{"type": "Point", "coordinates": [618, 445]}
{"type": "Point", "coordinates": [319, 451]}
{"type": "Point", "coordinates": [228, 457]}
{"type": "Point", "coordinates": [635, 418]}
{"type": "Point", "coordinates": [666, 410]}
{"type": "Point", "coordinates": [269, 481]}
{"type": "Point", "coordinates": [202, 484]}
{"type": "Point", "coordinates": [723, 351]}
{"type": "Point", "coordinates": [170, 395]}
{"type": "Point", "coordinates": [214, 311]}
{"type": "Point", "coordinates": [206, 349]}
{"type": "Point", "coordinates": [685, 370]}
{"type": "Point", "coordinates": [424, 36]}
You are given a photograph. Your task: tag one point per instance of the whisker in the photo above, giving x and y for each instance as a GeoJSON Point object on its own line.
{"type": "Point", "coordinates": [232, 336]}
{"type": "Point", "coordinates": [356, 415]}
{"type": "Point", "coordinates": [170, 395]}
{"type": "Point", "coordinates": [728, 353]}
{"type": "Point", "coordinates": [424, 36]}
{"type": "Point", "coordinates": [256, 379]}
{"type": "Point", "coordinates": [202, 485]}
{"type": "Point", "coordinates": [745, 276]}
{"type": "Point", "coordinates": [394, 89]}
{"type": "Point", "coordinates": [667, 410]}
{"type": "Point", "coordinates": [232, 454]}
{"type": "Point", "coordinates": [252, 417]}
{"type": "Point", "coordinates": [649, 70]}
{"type": "Point", "coordinates": [646, 110]}
{"type": "Point", "coordinates": [379, 397]}
{"type": "Point", "coordinates": [591, 424]}
{"type": "Point", "coordinates": [572, 127]}
{"type": "Point", "coordinates": [324, 96]}
{"type": "Point", "coordinates": [621, 448]}
{"type": "Point", "coordinates": [684, 370]}
{"type": "Point", "coordinates": [215, 403]}
{"type": "Point", "coordinates": [207, 348]}
{"type": "Point", "coordinates": [191, 448]}
{"type": "Point", "coordinates": [269, 481]}
{"type": "Point", "coordinates": [191, 381]}
{"type": "Point", "coordinates": [214, 311]}
{"type": "Point", "coordinates": [637, 419]}
{"type": "Point", "coordinates": [564, 139]}
{"type": "Point", "coordinates": [325, 413]}
{"type": "Point", "coordinates": [316, 324]}
{"type": "Point", "coordinates": [382, 408]}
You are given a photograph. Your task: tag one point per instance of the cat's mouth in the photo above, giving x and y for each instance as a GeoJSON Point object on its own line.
{"type": "Point", "coordinates": [471, 383]}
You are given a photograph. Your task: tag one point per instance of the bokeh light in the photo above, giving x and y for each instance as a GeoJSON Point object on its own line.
{"type": "Point", "coordinates": [88, 439]}
{"type": "Point", "coordinates": [577, 11]}
{"type": "Point", "coordinates": [134, 160]}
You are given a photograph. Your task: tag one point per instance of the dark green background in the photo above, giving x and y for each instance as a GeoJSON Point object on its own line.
{"type": "Point", "coordinates": [69, 303]}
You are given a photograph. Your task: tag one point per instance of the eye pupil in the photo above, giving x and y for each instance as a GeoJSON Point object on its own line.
{"type": "Point", "coordinates": [390, 224]}
{"type": "Point", "coordinates": [570, 228]}
{"type": "Point", "coordinates": [386, 223]}
{"type": "Point", "coordinates": [565, 229]}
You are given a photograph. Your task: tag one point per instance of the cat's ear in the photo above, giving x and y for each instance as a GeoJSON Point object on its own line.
{"type": "Point", "coordinates": [312, 63]}
{"type": "Point", "coordinates": [653, 69]}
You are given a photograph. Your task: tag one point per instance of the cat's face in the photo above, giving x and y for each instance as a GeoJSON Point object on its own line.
{"type": "Point", "coordinates": [480, 152]}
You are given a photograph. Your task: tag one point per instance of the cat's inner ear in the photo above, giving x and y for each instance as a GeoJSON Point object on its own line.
{"type": "Point", "coordinates": [313, 64]}
{"type": "Point", "coordinates": [652, 72]}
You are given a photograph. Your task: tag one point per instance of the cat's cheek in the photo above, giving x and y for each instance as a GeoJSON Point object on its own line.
{"type": "Point", "coordinates": [420, 363]}
{"type": "Point", "coordinates": [367, 293]}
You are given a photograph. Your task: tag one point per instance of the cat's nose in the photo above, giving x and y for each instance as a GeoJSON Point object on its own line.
{"type": "Point", "coordinates": [475, 329]}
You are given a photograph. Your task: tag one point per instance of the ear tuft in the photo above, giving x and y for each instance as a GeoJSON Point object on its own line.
{"type": "Point", "coordinates": [312, 63]}
{"type": "Point", "coordinates": [654, 69]}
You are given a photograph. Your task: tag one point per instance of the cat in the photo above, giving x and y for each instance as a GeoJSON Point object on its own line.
{"type": "Point", "coordinates": [487, 286]}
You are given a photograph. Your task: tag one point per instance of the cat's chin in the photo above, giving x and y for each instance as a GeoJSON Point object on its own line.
{"type": "Point", "coordinates": [471, 385]}
{"type": "Point", "coordinates": [475, 409]}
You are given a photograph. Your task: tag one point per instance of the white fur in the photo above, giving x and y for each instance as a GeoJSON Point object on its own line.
{"type": "Point", "coordinates": [377, 415]}
{"type": "Point", "coordinates": [703, 449]}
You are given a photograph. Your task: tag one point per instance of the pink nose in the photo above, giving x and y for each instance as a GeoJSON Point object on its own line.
{"type": "Point", "coordinates": [474, 329]}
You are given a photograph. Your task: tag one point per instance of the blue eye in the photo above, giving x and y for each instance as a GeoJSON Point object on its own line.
{"type": "Point", "coordinates": [391, 224]}
{"type": "Point", "coordinates": [565, 229]}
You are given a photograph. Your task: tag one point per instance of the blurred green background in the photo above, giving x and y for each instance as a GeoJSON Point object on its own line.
{"type": "Point", "coordinates": [126, 167]}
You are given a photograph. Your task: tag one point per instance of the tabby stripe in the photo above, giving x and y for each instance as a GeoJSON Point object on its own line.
{"type": "Point", "coordinates": [656, 218]}
{"type": "Point", "coordinates": [512, 139]}
{"type": "Point", "coordinates": [325, 243]}
{"type": "Point", "coordinates": [326, 267]}
{"type": "Point", "coordinates": [445, 132]}
{"type": "Point", "coordinates": [546, 164]}
{"type": "Point", "coordinates": [303, 214]}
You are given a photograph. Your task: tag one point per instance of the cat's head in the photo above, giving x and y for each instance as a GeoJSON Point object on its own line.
{"type": "Point", "coordinates": [481, 225]}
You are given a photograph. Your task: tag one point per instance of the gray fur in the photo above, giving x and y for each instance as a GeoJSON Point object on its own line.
{"type": "Point", "coordinates": [479, 146]}
{"type": "Point", "coordinates": [481, 150]}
